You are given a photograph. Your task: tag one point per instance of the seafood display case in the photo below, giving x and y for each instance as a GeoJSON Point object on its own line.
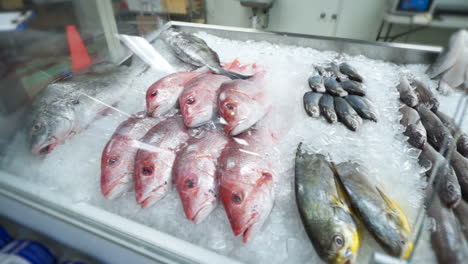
{"type": "Point", "coordinates": [207, 176]}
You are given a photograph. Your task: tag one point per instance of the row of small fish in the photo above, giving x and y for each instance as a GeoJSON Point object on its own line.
{"type": "Point", "coordinates": [333, 198]}
{"type": "Point", "coordinates": [152, 155]}
{"type": "Point", "coordinates": [349, 109]}
{"type": "Point", "coordinates": [337, 80]}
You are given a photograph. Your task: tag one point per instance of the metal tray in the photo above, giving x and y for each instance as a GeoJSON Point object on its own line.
{"type": "Point", "coordinates": [153, 245]}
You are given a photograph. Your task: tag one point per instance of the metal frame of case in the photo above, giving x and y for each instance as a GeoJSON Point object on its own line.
{"type": "Point", "coordinates": [34, 206]}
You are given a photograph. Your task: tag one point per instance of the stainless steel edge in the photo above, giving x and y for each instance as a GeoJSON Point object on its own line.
{"type": "Point", "coordinates": [393, 52]}
{"type": "Point", "coordinates": [98, 229]}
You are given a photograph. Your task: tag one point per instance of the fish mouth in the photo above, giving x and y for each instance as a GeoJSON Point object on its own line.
{"type": "Point", "coordinates": [45, 148]}
{"type": "Point", "coordinates": [152, 112]}
{"type": "Point", "coordinates": [151, 198]}
{"type": "Point", "coordinates": [117, 188]}
{"type": "Point", "coordinates": [203, 212]}
{"type": "Point", "coordinates": [247, 229]}
{"type": "Point", "coordinates": [235, 129]}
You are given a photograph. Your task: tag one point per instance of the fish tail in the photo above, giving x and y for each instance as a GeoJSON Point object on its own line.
{"type": "Point", "coordinates": [230, 74]}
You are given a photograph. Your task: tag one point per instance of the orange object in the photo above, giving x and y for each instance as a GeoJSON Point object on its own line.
{"type": "Point", "coordinates": [78, 52]}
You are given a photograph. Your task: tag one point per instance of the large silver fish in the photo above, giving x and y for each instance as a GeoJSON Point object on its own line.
{"type": "Point", "coordinates": [66, 107]}
{"type": "Point", "coordinates": [382, 216]}
{"type": "Point", "coordinates": [438, 135]}
{"type": "Point", "coordinates": [327, 219]}
{"type": "Point", "coordinates": [194, 51]}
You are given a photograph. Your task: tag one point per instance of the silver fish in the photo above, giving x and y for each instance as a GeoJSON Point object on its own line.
{"type": "Point", "coordinates": [68, 106]}
{"type": "Point", "coordinates": [457, 133]}
{"type": "Point", "coordinates": [407, 94]}
{"type": "Point", "coordinates": [334, 69]}
{"type": "Point", "coordinates": [316, 84]}
{"type": "Point", "coordinates": [363, 107]}
{"type": "Point", "coordinates": [347, 115]}
{"type": "Point", "coordinates": [327, 108]}
{"type": "Point", "coordinates": [353, 87]}
{"type": "Point", "coordinates": [311, 103]}
{"type": "Point", "coordinates": [437, 134]}
{"type": "Point", "coordinates": [425, 95]}
{"type": "Point", "coordinates": [351, 72]}
{"type": "Point", "coordinates": [334, 88]}
{"type": "Point", "coordinates": [414, 128]}
{"type": "Point", "coordinates": [194, 51]}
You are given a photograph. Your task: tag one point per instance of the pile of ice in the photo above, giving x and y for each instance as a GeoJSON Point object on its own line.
{"type": "Point", "coordinates": [73, 169]}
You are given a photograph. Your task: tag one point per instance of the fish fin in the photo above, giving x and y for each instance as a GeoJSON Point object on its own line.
{"type": "Point", "coordinates": [396, 210]}
{"type": "Point", "coordinates": [230, 74]}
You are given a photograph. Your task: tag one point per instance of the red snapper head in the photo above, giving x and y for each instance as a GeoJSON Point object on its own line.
{"type": "Point", "coordinates": [152, 177]}
{"type": "Point", "coordinates": [238, 110]}
{"type": "Point", "coordinates": [247, 206]}
{"type": "Point", "coordinates": [117, 162]}
{"type": "Point", "coordinates": [197, 107]}
{"type": "Point", "coordinates": [197, 190]}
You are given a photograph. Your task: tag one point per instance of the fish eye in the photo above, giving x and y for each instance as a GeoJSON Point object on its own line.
{"type": "Point", "coordinates": [189, 183]}
{"type": "Point", "coordinates": [190, 100]}
{"type": "Point", "coordinates": [147, 170]}
{"type": "Point", "coordinates": [36, 126]}
{"type": "Point", "coordinates": [112, 160]}
{"type": "Point", "coordinates": [230, 106]}
{"type": "Point", "coordinates": [338, 240]}
{"type": "Point", "coordinates": [237, 198]}
{"type": "Point", "coordinates": [154, 93]}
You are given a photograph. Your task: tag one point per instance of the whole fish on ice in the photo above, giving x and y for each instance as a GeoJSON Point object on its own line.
{"type": "Point", "coordinates": [195, 174]}
{"type": "Point", "coordinates": [353, 87]}
{"type": "Point", "coordinates": [316, 84]}
{"type": "Point", "coordinates": [414, 128]}
{"type": "Point", "coordinates": [363, 107]}
{"type": "Point", "coordinates": [457, 133]}
{"type": "Point", "coordinates": [68, 106]}
{"type": "Point", "coordinates": [351, 72]}
{"type": "Point", "coordinates": [334, 88]}
{"type": "Point", "coordinates": [438, 135]}
{"type": "Point", "coordinates": [311, 103]}
{"type": "Point", "coordinates": [425, 95]}
{"type": "Point", "coordinates": [164, 94]}
{"type": "Point", "coordinates": [327, 219]}
{"type": "Point", "coordinates": [327, 108]}
{"type": "Point", "coordinates": [381, 215]}
{"type": "Point", "coordinates": [242, 103]}
{"type": "Point", "coordinates": [118, 156]}
{"type": "Point", "coordinates": [155, 158]}
{"type": "Point", "coordinates": [198, 101]}
{"type": "Point", "coordinates": [193, 50]}
{"type": "Point", "coordinates": [346, 114]}
{"type": "Point", "coordinates": [407, 93]}
{"type": "Point", "coordinates": [246, 178]}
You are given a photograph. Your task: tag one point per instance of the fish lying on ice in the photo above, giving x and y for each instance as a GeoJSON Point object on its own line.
{"type": "Point", "coordinates": [242, 103]}
{"type": "Point", "coordinates": [195, 174]}
{"type": "Point", "coordinates": [407, 94]}
{"type": "Point", "coordinates": [457, 133]}
{"type": "Point", "coordinates": [311, 103]}
{"type": "Point", "coordinates": [447, 240]}
{"type": "Point", "coordinates": [425, 95]}
{"type": "Point", "coordinates": [327, 219]}
{"type": "Point", "coordinates": [382, 216]}
{"type": "Point", "coordinates": [198, 101]}
{"type": "Point", "coordinates": [351, 72]}
{"type": "Point", "coordinates": [363, 107]}
{"type": "Point", "coordinates": [246, 178]}
{"type": "Point", "coordinates": [316, 84]}
{"type": "Point", "coordinates": [461, 211]}
{"type": "Point", "coordinates": [334, 88]}
{"type": "Point", "coordinates": [163, 94]}
{"type": "Point", "coordinates": [335, 72]}
{"type": "Point", "coordinates": [327, 108]}
{"type": "Point", "coordinates": [448, 187]}
{"type": "Point", "coordinates": [118, 156]}
{"type": "Point", "coordinates": [353, 87]}
{"type": "Point", "coordinates": [194, 51]}
{"type": "Point", "coordinates": [68, 106]}
{"type": "Point", "coordinates": [438, 135]}
{"type": "Point", "coordinates": [414, 128]}
{"type": "Point", "coordinates": [449, 55]}
{"type": "Point", "coordinates": [462, 145]}
{"type": "Point", "coordinates": [460, 166]}
{"type": "Point", "coordinates": [155, 158]}
{"type": "Point", "coordinates": [347, 115]}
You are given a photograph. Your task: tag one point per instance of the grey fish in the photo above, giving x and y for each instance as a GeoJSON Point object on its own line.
{"type": "Point", "coordinates": [316, 84]}
{"type": "Point", "coordinates": [460, 166]}
{"type": "Point", "coordinates": [449, 55]}
{"type": "Point", "coordinates": [68, 106]}
{"type": "Point", "coordinates": [327, 108]}
{"type": "Point", "coordinates": [351, 72]}
{"type": "Point", "coordinates": [414, 128]}
{"type": "Point", "coordinates": [457, 133]}
{"type": "Point", "coordinates": [363, 107]}
{"type": "Point", "coordinates": [194, 51]}
{"type": "Point", "coordinates": [311, 103]}
{"type": "Point", "coordinates": [425, 95]}
{"type": "Point", "coordinates": [407, 94]}
{"type": "Point", "coordinates": [346, 114]}
{"type": "Point", "coordinates": [334, 88]}
{"type": "Point", "coordinates": [325, 215]}
{"type": "Point", "coordinates": [461, 211]}
{"type": "Point", "coordinates": [437, 134]}
{"type": "Point", "coordinates": [462, 145]}
{"type": "Point", "coordinates": [353, 87]}
{"type": "Point", "coordinates": [448, 188]}
{"type": "Point", "coordinates": [321, 71]}
{"type": "Point", "coordinates": [334, 69]}
{"type": "Point", "coordinates": [447, 240]}
{"type": "Point", "coordinates": [381, 216]}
